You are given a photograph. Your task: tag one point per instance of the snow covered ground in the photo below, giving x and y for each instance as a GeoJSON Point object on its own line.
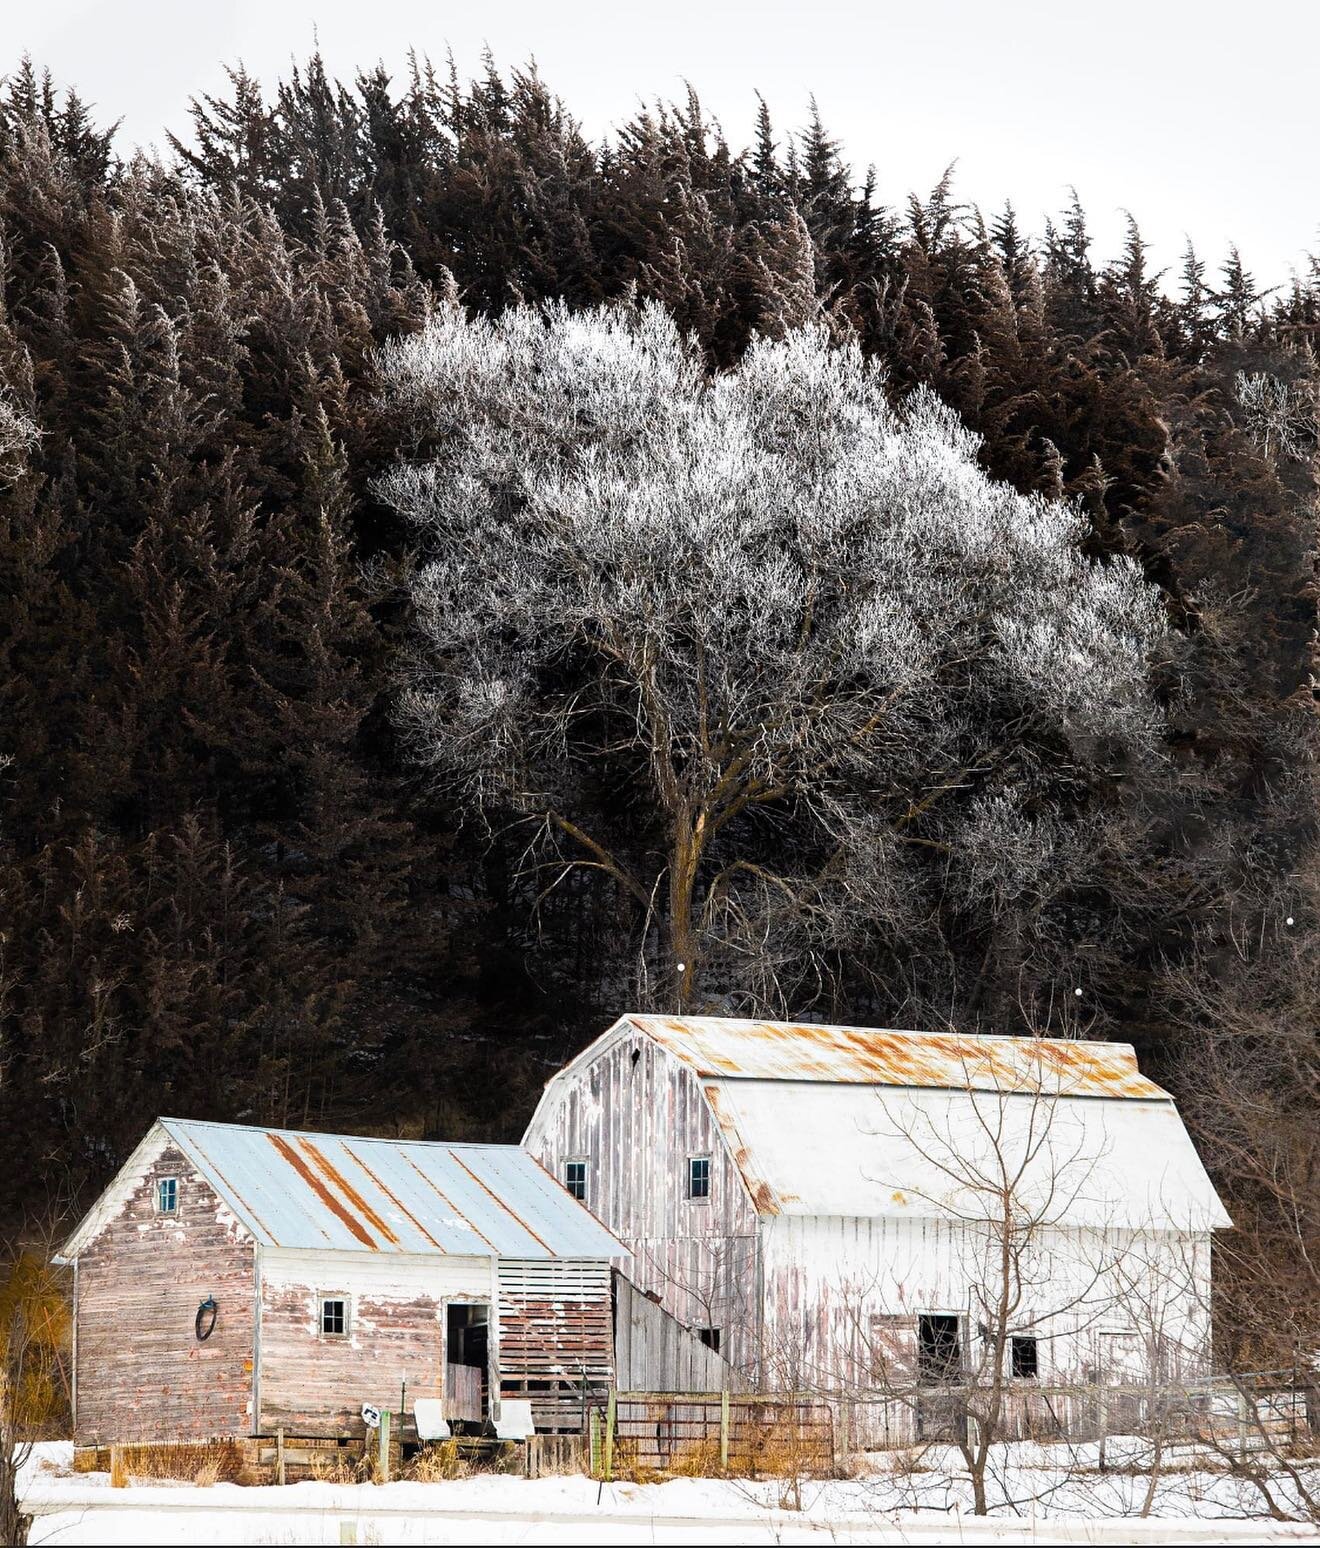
{"type": "Point", "coordinates": [1045, 1495]}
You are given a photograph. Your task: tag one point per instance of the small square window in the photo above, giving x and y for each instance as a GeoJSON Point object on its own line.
{"type": "Point", "coordinates": [334, 1316]}
{"type": "Point", "coordinates": [710, 1337]}
{"type": "Point", "coordinates": [167, 1195]}
{"type": "Point", "coordinates": [575, 1178]}
{"type": "Point", "coordinates": [698, 1177]}
{"type": "Point", "coordinates": [1025, 1355]}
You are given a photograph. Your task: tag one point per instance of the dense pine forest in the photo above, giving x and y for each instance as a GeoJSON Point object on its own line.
{"type": "Point", "coordinates": [238, 881]}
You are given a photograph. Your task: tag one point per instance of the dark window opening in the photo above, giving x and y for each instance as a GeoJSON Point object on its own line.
{"type": "Point", "coordinates": [698, 1177]}
{"type": "Point", "coordinates": [710, 1337]}
{"type": "Point", "coordinates": [939, 1349]}
{"type": "Point", "coordinates": [334, 1316]}
{"type": "Point", "coordinates": [167, 1195]}
{"type": "Point", "coordinates": [1025, 1357]}
{"type": "Point", "coordinates": [575, 1179]}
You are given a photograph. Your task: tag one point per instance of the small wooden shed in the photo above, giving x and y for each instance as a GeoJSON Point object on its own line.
{"type": "Point", "coordinates": [234, 1281]}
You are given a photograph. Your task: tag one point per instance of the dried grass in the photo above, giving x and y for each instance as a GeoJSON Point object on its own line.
{"type": "Point", "coordinates": [201, 1462]}
{"type": "Point", "coordinates": [340, 1467]}
{"type": "Point", "coordinates": [438, 1462]}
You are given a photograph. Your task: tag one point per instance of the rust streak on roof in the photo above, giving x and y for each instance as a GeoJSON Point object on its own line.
{"type": "Point", "coordinates": [775, 1050]}
{"type": "Point", "coordinates": [446, 1200]}
{"type": "Point", "coordinates": [392, 1197]}
{"type": "Point", "coordinates": [502, 1203]}
{"type": "Point", "coordinates": [319, 1188]}
{"type": "Point", "coordinates": [336, 1178]}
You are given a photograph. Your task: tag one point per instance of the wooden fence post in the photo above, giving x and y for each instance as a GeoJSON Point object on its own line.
{"type": "Point", "coordinates": [724, 1430]}
{"type": "Point", "coordinates": [593, 1442]}
{"type": "Point", "coordinates": [611, 1412]}
{"type": "Point", "coordinates": [279, 1455]}
{"type": "Point", "coordinates": [118, 1468]}
{"type": "Point", "coordinates": [384, 1445]}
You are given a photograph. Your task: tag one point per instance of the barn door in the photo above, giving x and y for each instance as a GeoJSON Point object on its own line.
{"type": "Point", "coordinates": [467, 1355]}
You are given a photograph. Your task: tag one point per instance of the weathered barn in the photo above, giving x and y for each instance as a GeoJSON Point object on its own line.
{"type": "Point", "coordinates": [233, 1281]}
{"type": "Point", "coordinates": [831, 1205]}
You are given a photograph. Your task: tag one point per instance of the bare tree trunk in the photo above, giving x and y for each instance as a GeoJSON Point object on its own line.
{"type": "Point", "coordinates": [14, 1525]}
{"type": "Point", "coordinates": [683, 941]}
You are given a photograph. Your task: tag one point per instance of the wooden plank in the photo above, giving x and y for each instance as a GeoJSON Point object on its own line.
{"type": "Point", "coordinates": [142, 1373]}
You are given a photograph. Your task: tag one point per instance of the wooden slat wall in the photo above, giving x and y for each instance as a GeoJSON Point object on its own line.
{"type": "Point", "coordinates": [653, 1352]}
{"type": "Point", "coordinates": [142, 1374]}
{"type": "Point", "coordinates": [635, 1114]}
{"type": "Point", "coordinates": [556, 1344]}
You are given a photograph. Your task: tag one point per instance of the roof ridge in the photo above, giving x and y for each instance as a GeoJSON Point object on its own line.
{"type": "Point", "coordinates": [791, 1024]}
{"type": "Point", "coordinates": [336, 1134]}
{"type": "Point", "coordinates": [752, 1048]}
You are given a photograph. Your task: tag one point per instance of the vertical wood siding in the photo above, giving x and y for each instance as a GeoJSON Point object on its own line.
{"type": "Point", "coordinates": [142, 1375]}
{"type": "Point", "coordinates": [827, 1278]}
{"type": "Point", "coordinates": [315, 1384]}
{"type": "Point", "coordinates": [634, 1115]}
{"type": "Point", "coordinates": [655, 1353]}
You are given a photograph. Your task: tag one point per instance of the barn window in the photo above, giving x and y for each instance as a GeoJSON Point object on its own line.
{"type": "Point", "coordinates": [939, 1349]}
{"type": "Point", "coordinates": [698, 1178]}
{"type": "Point", "coordinates": [710, 1337]}
{"type": "Point", "coordinates": [575, 1178]}
{"type": "Point", "coordinates": [1025, 1356]}
{"type": "Point", "coordinates": [334, 1316]}
{"type": "Point", "coordinates": [167, 1195]}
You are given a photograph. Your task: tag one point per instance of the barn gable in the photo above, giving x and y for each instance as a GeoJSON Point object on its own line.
{"type": "Point", "coordinates": [862, 1122]}
{"type": "Point", "coordinates": [330, 1192]}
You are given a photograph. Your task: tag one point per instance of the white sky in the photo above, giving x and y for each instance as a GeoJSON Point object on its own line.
{"type": "Point", "coordinates": [1202, 118]}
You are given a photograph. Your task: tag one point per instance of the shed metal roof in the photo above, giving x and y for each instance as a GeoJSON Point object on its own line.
{"type": "Point", "coordinates": [345, 1192]}
{"type": "Point", "coordinates": [728, 1048]}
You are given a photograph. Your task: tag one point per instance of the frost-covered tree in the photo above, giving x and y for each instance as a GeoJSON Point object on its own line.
{"type": "Point", "coordinates": [742, 644]}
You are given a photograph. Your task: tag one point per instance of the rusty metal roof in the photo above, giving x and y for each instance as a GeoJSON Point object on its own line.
{"type": "Point", "coordinates": [340, 1191]}
{"type": "Point", "coordinates": [728, 1049]}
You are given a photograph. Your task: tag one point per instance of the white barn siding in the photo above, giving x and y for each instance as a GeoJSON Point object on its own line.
{"type": "Point", "coordinates": [635, 1114]}
{"type": "Point", "coordinates": [311, 1384]}
{"type": "Point", "coordinates": [826, 1277]}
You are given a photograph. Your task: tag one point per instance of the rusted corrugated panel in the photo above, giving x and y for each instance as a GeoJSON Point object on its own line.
{"type": "Point", "coordinates": [398, 1196]}
{"type": "Point", "coordinates": [721, 1046]}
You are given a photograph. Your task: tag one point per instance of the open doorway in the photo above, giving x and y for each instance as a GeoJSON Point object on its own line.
{"type": "Point", "coordinates": [941, 1409]}
{"type": "Point", "coordinates": [467, 1362]}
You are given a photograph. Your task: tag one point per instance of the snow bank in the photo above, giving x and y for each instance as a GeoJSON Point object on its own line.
{"type": "Point", "coordinates": [1044, 1497]}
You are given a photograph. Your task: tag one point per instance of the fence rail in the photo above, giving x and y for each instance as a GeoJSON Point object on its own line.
{"type": "Point", "coordinates": [1235, 1413]}
{"type": "Point", "coordinates": [702, 1433]}
{"type": "Point", "coordinates": [805, 1433]}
